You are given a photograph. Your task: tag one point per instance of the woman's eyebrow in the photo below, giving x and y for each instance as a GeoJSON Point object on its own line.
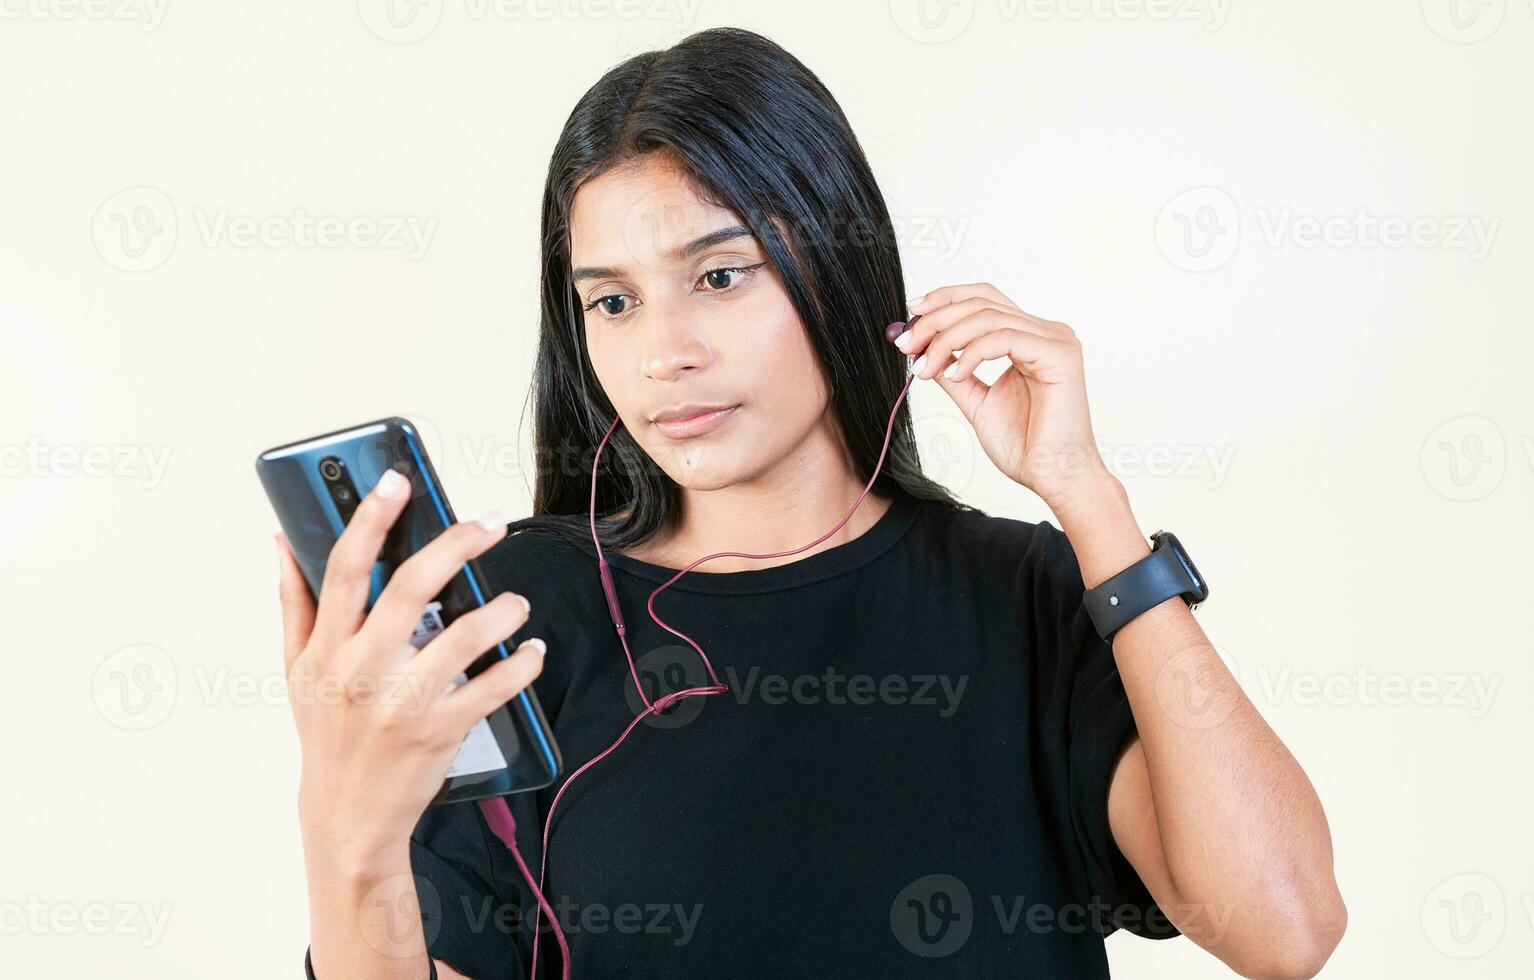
{"type": "Point", "coordinates": [676, 254]}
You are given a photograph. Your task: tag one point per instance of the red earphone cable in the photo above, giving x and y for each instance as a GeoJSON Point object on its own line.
{"type": "Point", "coordinates": [498, 814]}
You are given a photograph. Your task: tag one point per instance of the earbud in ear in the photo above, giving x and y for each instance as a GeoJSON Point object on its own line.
{"type": "Point", "coordinates": [899, 327]}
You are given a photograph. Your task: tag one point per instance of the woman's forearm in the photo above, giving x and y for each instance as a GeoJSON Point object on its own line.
{"type": "Point", "coordinates": [364, 916]}
{"type": "Point", "coordinates": [1241, 829]}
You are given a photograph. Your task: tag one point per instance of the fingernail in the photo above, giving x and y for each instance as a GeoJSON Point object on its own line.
{"type": "Point", "coordinates": [392, 484]}
{"type": "Point", "coordinates": [493, 521]}
{"type": "Point", "coordinates": [902, 340]}
{"type": "Point", "coordinates": [915, 300]}
{"type": "Point", "coordinates": [539, 645]}
{"type": "Point", "coordinates": [921, 362]}
{"type": "Point", "coordinates": [953, 369]}
{"type": "Point", "coordinates": [527, 607]}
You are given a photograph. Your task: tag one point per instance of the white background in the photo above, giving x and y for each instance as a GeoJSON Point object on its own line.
{"type": "Point", "coordinates": [1338, 426]}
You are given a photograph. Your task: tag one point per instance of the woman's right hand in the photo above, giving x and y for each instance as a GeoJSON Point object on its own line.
{"type": "Point", "coordinates": [379, 722]}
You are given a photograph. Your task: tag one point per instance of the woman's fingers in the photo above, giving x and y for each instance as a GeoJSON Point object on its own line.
{"type": "Point", "coordinates": [349, 569]}
{"type": "Point", "coordinates": [1049, 361]}
{"type": "Point", "coordinates": [494, 686]}
{"type": "Point", "coordinates": [945, 295]}
{"type": "Point", "coordinates": [945, 342]}
{"type": "Point", "coordinates": [421, 578]}
{"type": "Point", "coordinates": [297, 604]}
{"type": "Point", "coordinates": [465, 639]}
{"type": "Point", "coordinates": [960, 314]}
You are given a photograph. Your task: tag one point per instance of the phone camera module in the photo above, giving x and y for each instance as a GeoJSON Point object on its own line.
{"type": "Point", "coordinates": [332, 469]}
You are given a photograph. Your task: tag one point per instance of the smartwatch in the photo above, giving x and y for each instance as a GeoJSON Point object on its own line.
{"type": "Point", "coordinates": [1165, 572]}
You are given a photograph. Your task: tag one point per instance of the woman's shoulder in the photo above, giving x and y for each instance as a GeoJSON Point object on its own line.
{"type": "Point", "coordinates": [995, 538]}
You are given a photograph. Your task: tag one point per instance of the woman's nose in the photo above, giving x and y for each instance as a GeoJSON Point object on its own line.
{"type": "Point", "coordinates": [673, 344]}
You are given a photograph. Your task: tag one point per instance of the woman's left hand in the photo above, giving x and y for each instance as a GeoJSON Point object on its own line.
{"type": "Point", "coordinates": [1032, 420]}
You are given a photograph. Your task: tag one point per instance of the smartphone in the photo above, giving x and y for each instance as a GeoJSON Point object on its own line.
{"type": "Point", "coordinates": [315, 486]}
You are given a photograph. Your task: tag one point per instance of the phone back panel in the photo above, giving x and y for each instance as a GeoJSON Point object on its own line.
{"type": "Point", "coordinates": [310, 516]}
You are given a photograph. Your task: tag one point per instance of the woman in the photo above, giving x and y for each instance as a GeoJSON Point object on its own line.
{"type": "Point", "coordinates": [925, 760]}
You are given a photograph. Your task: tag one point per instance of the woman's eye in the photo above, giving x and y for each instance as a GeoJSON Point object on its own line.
{"type": "Point", "coordinates": [611, 304]}
{"type": "Point", "coordinates": [724, 278]}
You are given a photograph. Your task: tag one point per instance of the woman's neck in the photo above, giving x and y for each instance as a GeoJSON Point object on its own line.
{"type": "Point", "coordinates": [752, 519]}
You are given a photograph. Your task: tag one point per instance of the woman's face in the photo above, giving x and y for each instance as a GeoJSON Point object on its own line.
{"type": "Point", "coordinates": [679, 311]}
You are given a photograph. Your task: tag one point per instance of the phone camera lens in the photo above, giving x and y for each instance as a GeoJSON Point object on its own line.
{"type": "Point", "coordinates": [330, 469]}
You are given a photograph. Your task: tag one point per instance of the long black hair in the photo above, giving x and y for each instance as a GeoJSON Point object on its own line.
{"type": "Point", "coordinates": [756, 133]}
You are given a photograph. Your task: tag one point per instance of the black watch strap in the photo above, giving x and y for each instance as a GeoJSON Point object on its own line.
{"type": "Point", "coordinates": [309, 967]}
{"type": "Point", "coordinates": [1144, 585]}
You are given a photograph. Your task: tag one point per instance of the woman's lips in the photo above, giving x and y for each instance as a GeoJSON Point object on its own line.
{"type": "Point", "coordinates": [697, 425]}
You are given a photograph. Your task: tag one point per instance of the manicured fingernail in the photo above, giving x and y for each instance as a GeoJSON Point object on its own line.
{"type": "Point", "coordinates": [915, 301]}
{"type": "Point", "coordinates": [953, 369]}
{"type": "Point", "coordinates": [527, 607]}
{"type": "Point", "coordinates": [493, 521]}
{"type": "Point", "coordinates": [392, 484]}
{"type": "Point", "coordinates": [921, 362]}
{"type": "Point", "coordinates": [539, 645]}
{"type": "Point", "coordinates": [902, 340]}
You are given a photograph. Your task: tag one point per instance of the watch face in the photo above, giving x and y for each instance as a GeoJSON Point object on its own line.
{"type": "Point", "coordinates": [1201, 591]}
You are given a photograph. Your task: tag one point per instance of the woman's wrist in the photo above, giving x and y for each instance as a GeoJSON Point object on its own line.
{"type": "Point", "coordinates": [1102, 530]}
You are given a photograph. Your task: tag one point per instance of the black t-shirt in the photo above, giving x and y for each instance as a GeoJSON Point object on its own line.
{"type": "Point", "coordinates": [907, 777]}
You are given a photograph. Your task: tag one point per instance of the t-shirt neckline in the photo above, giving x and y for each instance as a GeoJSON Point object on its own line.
{"type": "Point", "coordinates": [845, 557]}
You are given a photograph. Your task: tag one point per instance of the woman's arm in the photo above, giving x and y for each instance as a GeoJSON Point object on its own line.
{"type": "Point", "coordinates": [1207, 804]}
{"type": "Point", "coordinates": [373, 761]}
